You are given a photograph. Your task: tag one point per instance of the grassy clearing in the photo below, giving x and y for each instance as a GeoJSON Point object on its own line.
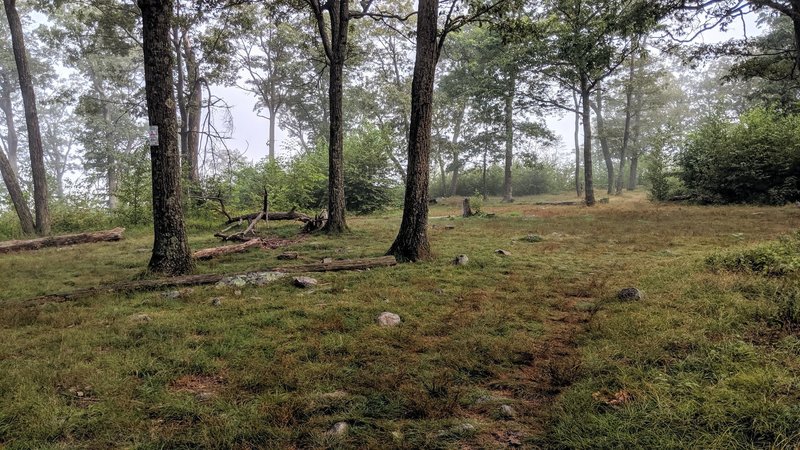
{"type": "Point", "coordinates": [708, 359]}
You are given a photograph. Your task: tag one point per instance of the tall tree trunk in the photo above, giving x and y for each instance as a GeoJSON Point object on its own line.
{"type": "Point", "coordinates": [626, 135]}
{"type": "Point", "coordinates": [194, 111]}
{"type": "Point", "coordinates": [508, 195]}
{"type": "Point", "coordinates": [171, 253]}
{"type": "Point", "coordinates": [12, 140]}
{"type": "Point", "coordinates": [587, 140]}
{"type": "Point", "coordinates": [412, 243]}
{"type": "Point", "coordinates": [17, 198]}
{"type": "Point", "coordinates": [462, 111]}
{"type": "Point", "coordinates": [637, 117]}
{"type": "Point", "coordinates": [339, 23]}
{"type": "Point", "coordinates": [272, 120]}
{"type": "Point", "coordinates": [577, 103]}
{"type": "Point", "coordinates": [31, 118]}
{"type": "Point", "coordinates": [180, 95]}
{"type": "Point", "coordinates": [597, 106]}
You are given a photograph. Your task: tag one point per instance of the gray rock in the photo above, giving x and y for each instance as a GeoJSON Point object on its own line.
{"type": "Point", "coordinates": [171, 294]}
{"type": "Point", "coordinates": [630, 293]}
{"type": "Point", "coordinates": [502, 252]}
{"type": "Point", "coordinates": [459, 429]}
{"type": "Point", "coordinates": [338, 429]}
{"type": "Point", "coordinates": [204, 396]}
{"type": "Point", "coordinates": [216, 301]}
{"type": "Point", "coordinates": [237, 293]}
{"type": "Point", "coordinates": [327, 260]}
{"type": "Point", "coordinates": [140, 318]}
{"type": "Point", "coordinates": [252, 279]}
{"type": "Point", "coordinates": [388, 319]}
{"type": "Point", "coordinates": [305, 282]}
{"type": "Point", "coordinates": [507, 412]}
{"type": "Point", "coordinates": [461, 260]}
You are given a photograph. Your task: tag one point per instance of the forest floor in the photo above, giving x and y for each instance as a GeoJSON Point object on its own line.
{"type": "Point", "coordinates": [529, 350]}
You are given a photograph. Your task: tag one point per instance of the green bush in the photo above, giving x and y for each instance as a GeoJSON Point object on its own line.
{"type": "Point", "coordinates": [756, 160]}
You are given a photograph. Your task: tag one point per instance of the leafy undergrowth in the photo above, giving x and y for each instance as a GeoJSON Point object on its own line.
{"type": "Point", "coordinates": [705, 360]}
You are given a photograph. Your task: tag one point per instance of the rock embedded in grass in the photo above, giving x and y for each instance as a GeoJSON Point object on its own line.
{"type": "Point", "coordinates": [630, 293]}
{"type": "Point", "coordinates": [216, 301]}
{"type": "Point", "coordinates": [171, 294]}
{"type": "Point", "coordinates": [507, 412]}
{"type": "Point", "coordinates": [502, 252]}
{"type": "Point", "coordinates": [388, 319]}
{"type": "Point", "coordinates": [532, 238]}
{"type": "Point", "coordinates": [305, 282]}
{"type": "Point", "coordinates": [338, 429]}
{"type": "Point", "coordinates": [140, 318]}
{"type": "Point", "coordinates": [461, 260]}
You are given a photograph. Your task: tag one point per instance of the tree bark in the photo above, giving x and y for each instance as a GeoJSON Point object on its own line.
{"type": "Point", "coordinates": [339, 24]}
{"type": "Point", "coordinates": [171, 253]}
{"type": "Point", "coordinates": [587, 140]}
{"type": "Point", "coordinates": [194, 112]}
{"type": "Point", "coordinates": [12, 140]}
{"type": "Point", "coordinates": [601, 131]}
{"type": "Point", "coordinates": [626, 135]}
{"type": "Point", "coordinates": [60, 241]}
{"type": "Point", "coordinates": [412, 243]}
{"type": "Point", "coordinates": [637, 116]}
{"type": "Point", "coordinates": [31, 118]}
{"type": "Point", "coordinates": [456, 136]}
{"type": "Point", "coordinates": [577, 103]}
{"type": "Point", "coordinates": [17, 198]}
{"type": "Point", "coordinates": [509, 129]}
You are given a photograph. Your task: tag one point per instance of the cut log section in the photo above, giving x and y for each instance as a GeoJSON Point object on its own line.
{"type": "Point", "coordinates": [208, 253]}
{"type": "Point", "coordinates": [61, 241]}
{"type": "Point", "coordinates": [197, 280]}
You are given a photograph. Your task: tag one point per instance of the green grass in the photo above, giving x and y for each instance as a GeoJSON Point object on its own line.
{"type": "Point", "coordinates": [709, 358]}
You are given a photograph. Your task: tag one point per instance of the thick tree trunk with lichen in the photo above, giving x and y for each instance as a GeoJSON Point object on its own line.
{"type": "Point", "coordinates": [171, 253]}
{"type": "Point", "coordinates": [412, 243]}
{"type": "Point", "coordinates": [31, 119]}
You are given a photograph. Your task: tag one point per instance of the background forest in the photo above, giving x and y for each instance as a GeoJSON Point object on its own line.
{"type": "Point", "coordinates": [676, 118]}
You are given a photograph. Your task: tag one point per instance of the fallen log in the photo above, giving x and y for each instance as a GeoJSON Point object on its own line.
{"type": "Point", "coordinates": [291, 215]}
{"type": "Point", "coordinates": [197, 280]}
{"type": "Point", "coordinates": [556, 203]}
{"type": "Point", "coordinates": [60, 241]}
{"type": "Point", "coordinates": [208, 253]}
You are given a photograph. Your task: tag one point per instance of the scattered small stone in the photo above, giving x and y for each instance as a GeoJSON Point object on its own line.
{"type": "Point", "coordinates": [338, 429]}
{"type": "Point", "coordinates": [507, 412]}
{"type": "Point", "coordinates": [438, 291]}
{"type": "Point", "coordinates": [305, 282]}
{"type": "Point", "coordinates": [80, 394]}
{"type": "Point", "coordinates": [630, 293]}
{"type": "Point", "coordinates": [237, 293]}
{"type": "Point", "coordinates": [140, 318]}
{"type": "Point", "coordinates": [171, 294]}
{"type": "Point", "coordinates": [204, 396]}
{"type": "Point", "coordinates": [532, 238]}
{"type": "Point", "coordinates": [288, 255]}
{"type": "Point", "coordinates": [388, 319]}
{"type": "Point", "coordinates": [461, 260]}
{"type": "Point", "coordinates": [216, 301]}
{"type": "Point", "coordinates": [335, 395]}
{"type": "Point", "coordinates": [253, 279]}
{"type": "Point", "coordinates": [502, 252]}
{"type": "Point", "coordinates": [327, 260]}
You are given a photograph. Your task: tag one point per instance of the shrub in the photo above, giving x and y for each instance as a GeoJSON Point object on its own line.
{"type": "Point", "coordinates": [754, 161]}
